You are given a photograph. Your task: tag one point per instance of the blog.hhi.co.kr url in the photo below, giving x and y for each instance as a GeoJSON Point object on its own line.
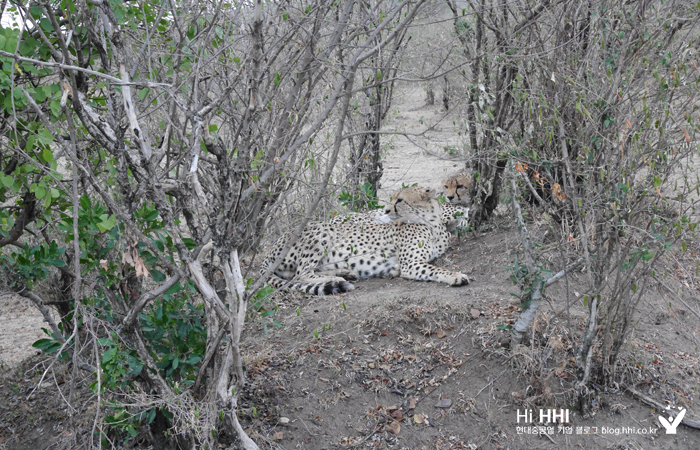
{"type": "Point", "coordinates": [557, 421]}
{"type": "Point", "coordinates": [564, 429]}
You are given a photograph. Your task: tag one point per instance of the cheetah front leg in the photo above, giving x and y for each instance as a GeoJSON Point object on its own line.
{"type": "Point", "coordinates": [414, 266]}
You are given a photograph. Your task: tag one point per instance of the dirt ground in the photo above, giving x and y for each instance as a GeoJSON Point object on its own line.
{"type": "Point", "coordinates": [403, 364]}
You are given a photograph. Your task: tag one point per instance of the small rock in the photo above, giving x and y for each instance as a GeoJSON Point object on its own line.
{"type": "Point", "coordinates": [444, 403]}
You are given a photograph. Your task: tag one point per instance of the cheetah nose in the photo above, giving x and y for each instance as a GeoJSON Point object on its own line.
{"type": "Point", "coordinates": [450, 197]}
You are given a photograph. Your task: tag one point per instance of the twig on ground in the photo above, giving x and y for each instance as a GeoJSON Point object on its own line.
{"type": "Point", "coordinates": [692, 423]}
{"type": "Point", "coordinates": [490, 383]}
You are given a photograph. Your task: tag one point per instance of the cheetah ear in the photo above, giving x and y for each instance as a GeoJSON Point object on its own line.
{"type": "Point", "coordinates": [430, 193]}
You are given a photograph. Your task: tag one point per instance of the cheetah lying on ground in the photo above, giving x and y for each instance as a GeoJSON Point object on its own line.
{"type": "Point", "coordinates": [327, 253]}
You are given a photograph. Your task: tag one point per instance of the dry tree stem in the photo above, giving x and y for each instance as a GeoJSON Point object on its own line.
{"type": "Point", "coordinates": [131, 115]}
{"type": "Point", "coordinates": [588, 341]}
{"type": "Point", "coordinates": [236, 278]}
{"type": "Point", "coordinates": [528, 315]}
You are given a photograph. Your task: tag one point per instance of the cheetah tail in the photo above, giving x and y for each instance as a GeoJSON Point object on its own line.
{"type": "Point", "coordinates": [320, 287]}
{"type": "Point", "coordinates": [326, 287]}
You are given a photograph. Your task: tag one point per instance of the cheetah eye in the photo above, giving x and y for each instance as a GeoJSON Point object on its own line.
{"type": "Point", "coordinates": [446, 187]}
{"type": "Point", "coordinates": [399, 200]}
{"type": "Point", "coordinates": [459, 186]}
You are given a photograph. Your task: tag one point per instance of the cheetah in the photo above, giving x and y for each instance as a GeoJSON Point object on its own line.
{"type": "Point", "coordinates": [457, 189]}
{"type": "Point", "coordinates": [327, 255]}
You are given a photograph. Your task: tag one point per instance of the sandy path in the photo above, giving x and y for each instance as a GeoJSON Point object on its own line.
{"type": "Point", "coordinates": [20, 327]}
{"type": "Point", "coordinates": [404, 161]}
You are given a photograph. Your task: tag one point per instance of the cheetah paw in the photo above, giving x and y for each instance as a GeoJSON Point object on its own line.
{"type": "Point", "coordinates": [460, 280]}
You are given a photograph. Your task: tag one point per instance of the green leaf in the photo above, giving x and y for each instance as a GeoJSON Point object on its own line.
{"type": "Point", "coordinates": [157, 275]}
{"type": "Point", "coordinates": [277, 79]}
{"type": "Point", "coordinates": [285, 16]}
{"type": "Point", "coordinates": [56, 262]}
{"type": "Point", "coordinates": [43, 344]}
{"type": "Point", "coordinates": [47, 154]}
{"type": "Point", "coordinates": [107, 223]}
{"type": "Point", "coordinates": [143, 93]}
{"type": "Point", "coordinates": [55, 107]}
{"type": "Point", "coordinates": [131, 431]}
{"type": "Point", "coordinates": [264, 292]}
{"type": "Point", "coordinates": [109, 355]}
{"type": "Point", "coordinates": [7, 181]}
{"type": "Point", "coordinates": [151, 216]}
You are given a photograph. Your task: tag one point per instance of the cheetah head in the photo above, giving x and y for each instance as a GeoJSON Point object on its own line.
{"type": "Point", "coordinates": [457, 189]}
{"type": "Point", "coordinates": [414, 205]}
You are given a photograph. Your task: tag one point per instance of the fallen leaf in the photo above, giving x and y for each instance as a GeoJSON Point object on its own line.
{"type": "Point", "coordinates": [385, 366]}
{"type": "Point", "coordinates": [475, 313]}
{"type": "Point", "coordinates": [419, 418]}
{"type": "Point", "coordinates": [371, 365]}
{"type": "Point", "coordinates": [394, 427]}
{"type": "Point", "coordinates": [441, 333]}
{"type": "Point", "coordinates": [325, 380]}
{"type": "Point", "coordinates": [284, 420]}
{"type": "Point", "coordinates": [558, 192]}
{"type": "Point", "coordinates": [279, 435]}
{"type": "Point", "coordinates": [391, 408]}
{"type": "Point", "coordinates": [398, 415]}
{"type": "Point", "coordinates": [444, 403]}
{"type": "Point", "coordinates": [412, 403]}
